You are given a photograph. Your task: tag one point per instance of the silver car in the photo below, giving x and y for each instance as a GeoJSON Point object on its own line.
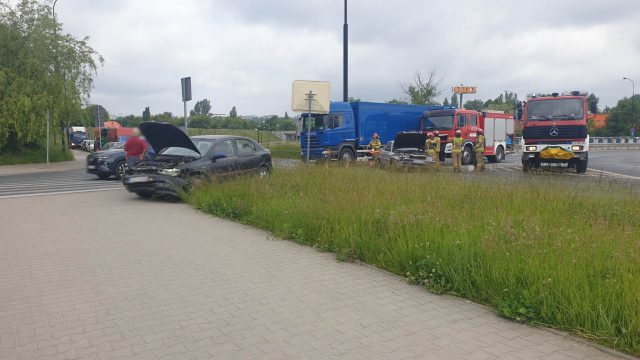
{"type": "Point", "coordinates": [407, 150]}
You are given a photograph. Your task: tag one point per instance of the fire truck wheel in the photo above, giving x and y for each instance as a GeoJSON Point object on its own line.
{"type": "Point", "coordinates": [499, 157]}
{"type": "Point", "coordinates": [467, 156]}
{"type": "Point", "coordinates": [581, 166]}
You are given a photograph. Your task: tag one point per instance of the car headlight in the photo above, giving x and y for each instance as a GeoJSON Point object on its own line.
{"type": "Point", "coordinates": [531, 148]}
{"type": "Point", "coordinates": [576, 148]}
{"type": "Point", "coordinates": [169, 172]}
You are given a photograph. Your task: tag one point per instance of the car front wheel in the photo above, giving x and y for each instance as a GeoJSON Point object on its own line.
{"type": "Point", "coordinates": [263, 171]}
{"type": "Point", "coordinates": [120, 168]}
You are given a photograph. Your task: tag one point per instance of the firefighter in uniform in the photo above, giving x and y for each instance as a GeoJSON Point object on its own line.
{"type": "Point", "coordinates": [480, 142]}
{"type": "Point", "coordinates": [429, 146]}
{"type": "Point", "coordinates": [436, 148]}
{"type": "Point", "coordinates": [457, 152]}
{"type": "Point", "coordinates": [375, 145]}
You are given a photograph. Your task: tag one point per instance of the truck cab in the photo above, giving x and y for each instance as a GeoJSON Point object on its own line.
{"type": "Point", "coordinates": [498, 127]}
{"type": "Point", "coordinates": [346, 131]}
{"type": "Point", "coordinates": [555, 131]}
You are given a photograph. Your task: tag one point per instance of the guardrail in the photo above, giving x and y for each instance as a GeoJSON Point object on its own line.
{"type": "Point", "coordinates": [606, 143]}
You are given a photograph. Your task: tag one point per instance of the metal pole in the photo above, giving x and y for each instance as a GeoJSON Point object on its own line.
{"type": "Point", "coordinates": [633, 95]}
{"type": "Point", "coordinates": [309, 127]}
{"type": "Point", "coordinates": [48, 121]}
{"type": "Point", "coordinates": [345, 55]}
{"type": "Point", "coordinates": [186, 131]}
{"type": "Point", "coordinates": [99, 130]}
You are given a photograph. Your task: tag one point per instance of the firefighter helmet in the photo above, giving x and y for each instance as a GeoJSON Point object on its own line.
{"type": "Point", "coordinates": [458, 132]}
{"type": "Point", "coordinates": [480, 131]}
{"type": "Point", "coordinates": [375, 135]}
{"type": "Point", "coordinates": [430, 134]}
{"type": "Point", "coordinates": [436, 133]}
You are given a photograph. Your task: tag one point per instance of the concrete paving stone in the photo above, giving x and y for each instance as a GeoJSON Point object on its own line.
{"type": "Point", "coordinates": [175, 283]}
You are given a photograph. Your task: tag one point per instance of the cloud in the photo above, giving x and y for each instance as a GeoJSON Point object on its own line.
{"type": "Point", "coordinates": [245, 53]}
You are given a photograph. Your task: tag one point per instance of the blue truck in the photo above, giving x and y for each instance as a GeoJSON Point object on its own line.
{"type": "Point", "coordinates": [349, 127]}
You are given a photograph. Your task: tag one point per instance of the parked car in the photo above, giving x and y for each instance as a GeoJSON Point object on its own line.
{"type": "Point", "coordinates": [87, 145]}
{"type": "Point", "coordinates": [180, 160]}
{"type": "Point", "coordinates": [112, 145]}
{"type": "Point", "coordinates": [110, 162]}
{"type": "Point", "coordinates": [407, 150]}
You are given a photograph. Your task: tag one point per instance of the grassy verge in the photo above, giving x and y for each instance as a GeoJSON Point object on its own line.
{"type": "Point", "coordinates": [264, 137]}
{"type": "Point", "coordinates": [35, 156]}
{"type": "Point", "coordinates": [288, 150]}
{"type": "Point", "coordinates": [550, 252]}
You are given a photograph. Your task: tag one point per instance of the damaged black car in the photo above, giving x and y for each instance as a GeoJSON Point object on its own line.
{"type": "Point", "coordinates": [182, 160]}
{"type": "Point", "coordinates": [406, 150]}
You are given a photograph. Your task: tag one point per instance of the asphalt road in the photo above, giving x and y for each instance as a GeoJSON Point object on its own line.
{"type": "Point", "coordinates": [42, 183]}
{"type": "Point", "coordinates": [105, 275]}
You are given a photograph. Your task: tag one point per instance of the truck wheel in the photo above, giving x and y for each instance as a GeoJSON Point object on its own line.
{"type": "Point", "coordinates": [467, 156]}
{"type": "Point", "coordinates": [347, 155]}
{"type": "Point", "coordinates": [581, 166]}
{"type": "Point", "coordinates": [499, 157]}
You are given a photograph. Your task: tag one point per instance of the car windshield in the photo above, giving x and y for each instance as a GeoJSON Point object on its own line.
{"type": "Point", "coordinates": [438, 122]}
{"type": "Point", "coordinates": [560, 109]}
{"type": "Point", "coordinates": [319, 122]}
{"type": "Point", "coordinates": [202, 145]}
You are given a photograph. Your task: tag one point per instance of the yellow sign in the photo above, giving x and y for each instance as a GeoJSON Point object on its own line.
{"type": "Point", "coordinates": [465, 89]}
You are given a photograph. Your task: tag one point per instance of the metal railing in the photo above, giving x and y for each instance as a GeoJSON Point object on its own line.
{"type": "Point", "coordinates": [605, 143]}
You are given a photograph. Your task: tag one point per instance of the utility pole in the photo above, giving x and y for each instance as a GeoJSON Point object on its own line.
{"type": "Point", "coordinates": [345, 55]}
{"type": "Point", "coordinates": [633, 95]}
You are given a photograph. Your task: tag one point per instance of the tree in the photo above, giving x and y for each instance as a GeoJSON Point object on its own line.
{"type": "Point", "coordinates": [421, 90]}
{"type": "Point", "coordinates": [286, 115]}
{"type": "Point", "coordinates": [445, 102]}
{"type": "Point", "coordinates": [200, 122]}
{"type": "Point", "coordinates": [620, 118]}
{"type": "Point", "coordinates": [41, 70]}
{"type": "Point", "coordinates": [233, 113]}
{"type": "Point", "coordinates": [202, 107]}
{"type": "Point", "coordinates": [352, 99]}
{"type": "Point", "coordinates": [146, 114]}
{"type": "Point", "coordinates": [454, 101]}
{"type": "Point", "coordinates": [397, 101]}
{"type": "Point", "coordinates": [476, 105]}
{"type": "Point", "coordinates": [88, 115]}
{"type": "Point", "coordinates": [592, 103]}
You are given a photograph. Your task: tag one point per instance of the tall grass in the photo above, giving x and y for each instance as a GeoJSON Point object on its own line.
{"type": "Point", "coordinates": [286, 150]}
{"type": "Point", "coordinates": [35, 156]}
{"type": "Point", "coordinates": [546, 251]}
{"type": "Point", "coordinates": [263, 136]}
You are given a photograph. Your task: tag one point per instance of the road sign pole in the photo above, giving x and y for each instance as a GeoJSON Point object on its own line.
{"type": "Point", "coordinates": [310, 99]}
{"type": "Point", "coordinates": [186, 131]}
{"type": "Point", "coordinates": [48, 125]}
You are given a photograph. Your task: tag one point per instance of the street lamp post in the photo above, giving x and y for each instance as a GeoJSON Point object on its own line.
{"type": "Point", "coordinates": [633, 95]}
{"type": "Point", "coordinates": [345, 56]}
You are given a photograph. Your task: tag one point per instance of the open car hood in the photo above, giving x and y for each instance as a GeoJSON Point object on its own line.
{"type": "Point", "coordinates": [410, 140]}
{"type": "Point", "coordinates": [164, 135]}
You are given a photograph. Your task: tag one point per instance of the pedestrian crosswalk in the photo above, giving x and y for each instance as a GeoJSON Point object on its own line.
{"type": "Point", "coordinates": [66, 182]}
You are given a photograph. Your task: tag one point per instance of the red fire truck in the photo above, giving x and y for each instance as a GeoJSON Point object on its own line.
{"type": "Point", "coordinates": [555, 131]}
{"type": "Point", "coordinates": [499, 131]}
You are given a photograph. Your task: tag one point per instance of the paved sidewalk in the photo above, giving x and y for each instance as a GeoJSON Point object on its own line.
{"type": "Point", "coordinates": [78, 163]}
{"type": "Point", "coordinates": [159, 280]}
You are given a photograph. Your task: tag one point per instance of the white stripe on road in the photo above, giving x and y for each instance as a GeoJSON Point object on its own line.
{"type": "Point", "coordinates": [59, 193]}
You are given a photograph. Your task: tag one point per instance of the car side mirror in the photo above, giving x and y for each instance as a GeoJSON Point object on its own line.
{"type": "Point", "coordinates": [218, 156]}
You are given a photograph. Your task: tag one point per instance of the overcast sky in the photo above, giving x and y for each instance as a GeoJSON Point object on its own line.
{"type": "Point", "coordinates": [247, 52]}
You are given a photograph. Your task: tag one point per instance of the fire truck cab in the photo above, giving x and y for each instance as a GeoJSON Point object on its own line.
{"type": "Point", "coordinates": [555, 131]}
{"type": "Point", "coordinates": [499, 131]}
